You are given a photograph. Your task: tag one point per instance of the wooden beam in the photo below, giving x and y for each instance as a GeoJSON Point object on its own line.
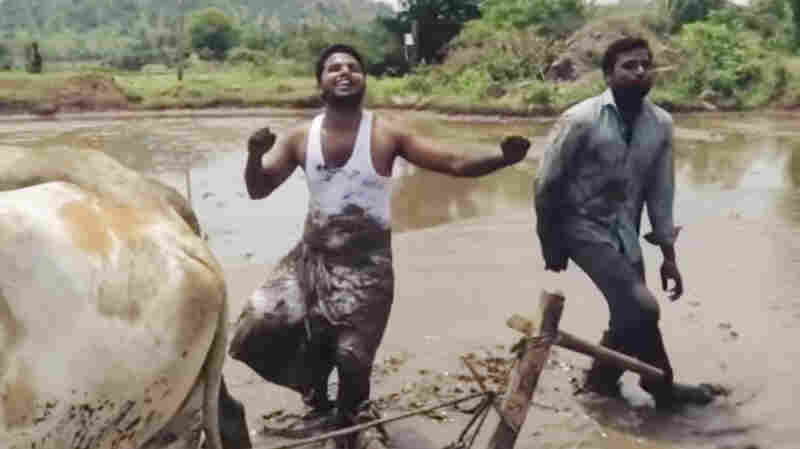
{"type": "Point", "coordinates": [573, 343]}
{"type": "Point", "coordinates": [525, 374]}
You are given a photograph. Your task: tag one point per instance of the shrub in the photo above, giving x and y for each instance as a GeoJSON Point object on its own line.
{"type": "Point", "coordinates": [717, 58]}
{"type": "Point", "coordinates": [551, 17]}
{"type": "Point", "coordinates": [539, 93]}
{"type": "Point", "coordinates": [682, 12]}
{"type": "Point", "coordinates": [212, 33]}
{"type": "Point", "coordinates": [507, 55]}
{"type": "Point", "coordinates": [240, 55]}
{"type": "Point", "coordinates": [133, 59]}
{"type": "Point", "coordinates": [6, 61]}
{"type": "Point", "coordinates": [471, 82]}
{"type": "Point", "coordinates": [730, 64]}
{"type": "Point", "coordinates": [419, 84]}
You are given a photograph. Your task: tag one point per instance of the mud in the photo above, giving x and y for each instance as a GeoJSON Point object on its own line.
{"type": "Point", "coordinates": [466, 258]}
{"type": "Point", "coordinates": [85, 92]}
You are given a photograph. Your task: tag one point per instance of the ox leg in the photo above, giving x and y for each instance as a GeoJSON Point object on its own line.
{"type": "Point", "coordinates": [232, 422]}
{"type": "Point", "coordinates": [213, 377]}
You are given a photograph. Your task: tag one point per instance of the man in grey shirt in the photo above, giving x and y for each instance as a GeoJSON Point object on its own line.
{"type": "Point", "coordinates": [608, 156]}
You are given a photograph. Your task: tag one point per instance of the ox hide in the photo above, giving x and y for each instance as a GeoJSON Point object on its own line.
{"type": "Point", "coordinates": [112, 308]}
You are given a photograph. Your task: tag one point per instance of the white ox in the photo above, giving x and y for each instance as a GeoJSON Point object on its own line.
{"type": "Point", "coordinates": [112, 309]}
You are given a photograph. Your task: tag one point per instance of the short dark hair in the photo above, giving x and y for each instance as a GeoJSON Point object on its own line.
{"type": "Point", "coordinates": [621, 46]}
{"type": "Point", "coordinates": [336, 48]}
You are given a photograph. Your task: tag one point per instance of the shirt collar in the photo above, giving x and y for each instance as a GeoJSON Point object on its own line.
{"type": "Point", "coordinates": [607, 99]}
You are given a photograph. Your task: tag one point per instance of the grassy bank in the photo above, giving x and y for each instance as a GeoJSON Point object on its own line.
{"type": "Point", "coordinates": [491, 68]}
{"type": "Point", "coordinates": [467, 91]}
{"type": "Point", "coordinates": [107, 90]}
{"type": "Point", "coordinates": [511, 58]}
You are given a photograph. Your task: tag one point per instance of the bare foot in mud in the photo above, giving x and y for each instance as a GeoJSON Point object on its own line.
{"type": "Point", "coordinates": [598, 389]}
{"type": "Point", "coordinates": [682, 394]}
{"type": "Point", "coordinates": [313, 423]}
{"type": "Point", "coordinates": [323, 411]}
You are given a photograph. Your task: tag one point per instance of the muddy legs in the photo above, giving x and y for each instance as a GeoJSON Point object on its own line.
{"type": "Point", "coordinates": [603, 378]}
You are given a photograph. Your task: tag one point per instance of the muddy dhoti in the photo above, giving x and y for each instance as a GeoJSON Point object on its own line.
{"type": "Point", "coordinates": [325, 305]}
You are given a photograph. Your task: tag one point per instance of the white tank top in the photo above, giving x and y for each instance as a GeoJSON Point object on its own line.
{"type": "Point", "coordinates": [353, 190]}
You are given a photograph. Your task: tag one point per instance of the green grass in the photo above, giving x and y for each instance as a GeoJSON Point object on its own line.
{"type": "Point", "coordinates": [210, 85]}
{"type": "Point", "coordinates": [235, 86]}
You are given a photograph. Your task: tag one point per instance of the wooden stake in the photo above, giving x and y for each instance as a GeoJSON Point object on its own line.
{"type": "Point", "coordinates": [525, 375]}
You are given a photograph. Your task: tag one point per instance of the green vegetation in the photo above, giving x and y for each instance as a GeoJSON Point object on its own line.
{"type": "Point", "coordinates": [212, 33]}
{"type": "Point", "coordinates": [5, 57]}
{"type": "Point", "coordinates": [208, 87]}
{"type": "Point", "coordinates": [710, 54]}
{"type": "Point", "coordinates": [477, 56]}
{"type": "Point", "coordinates": [555, 18]}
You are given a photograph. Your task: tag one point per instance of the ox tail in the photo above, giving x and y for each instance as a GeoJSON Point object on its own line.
{"type": "Point", "coordinates": [213, 375]}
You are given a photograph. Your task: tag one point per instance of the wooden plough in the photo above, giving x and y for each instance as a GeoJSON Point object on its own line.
{"type": "Point", "coordinates": [541, 333]}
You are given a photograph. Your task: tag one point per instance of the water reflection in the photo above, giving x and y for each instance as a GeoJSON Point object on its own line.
{"type": "Point", "coordinates": [423, 199]}
{"type": "Point", "coordinates": [148, 144]}
{"type": "Point", "coordinates": [704, 163]}
{"type": "Point", "coordinates": [745, 166]}
{"type": "Point", "coordinates": [734, 165]}
{"type": "Point", "coordinates": [745, 169]}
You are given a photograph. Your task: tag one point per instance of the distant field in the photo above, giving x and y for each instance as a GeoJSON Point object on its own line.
{"type": "Point", "coordinates": [87, 87]}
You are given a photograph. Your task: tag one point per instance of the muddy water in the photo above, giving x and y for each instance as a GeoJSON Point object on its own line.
{"type": "Point", "coordinates": [747, 166]}
{"type": "Point", "coordinates": [471, 241]}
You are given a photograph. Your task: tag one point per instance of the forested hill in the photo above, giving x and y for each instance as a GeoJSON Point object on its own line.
{"type": "Point", "coordinates": [54, 16]}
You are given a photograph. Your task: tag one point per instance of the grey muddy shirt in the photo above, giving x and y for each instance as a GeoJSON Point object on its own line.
{"type": "Point", "coordinates": [597, 175]}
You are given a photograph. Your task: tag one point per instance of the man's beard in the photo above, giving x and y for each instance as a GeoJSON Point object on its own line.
{"type": "Point", "coordinates": [634, 93]}
{"type": "Point", "coordinates": [631, 96]}
{"type": "Point", "coordinates": [347, 101]}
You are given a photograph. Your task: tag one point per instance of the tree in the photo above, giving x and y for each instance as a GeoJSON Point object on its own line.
{"type": "Point", "coordinates": [439, 10]}
{"type": "Point", "coordinates": [33, 58]}
{"type": "Point", "coordinates": [214, 31]}
{"type": "Point", "coordinates": [556, 18]}
{"type": "Point", "coordinates": [682, 12]}
{"type": "Point", "coordinates": [5, 57]}
{"type": "Point", "coordinates": [795, 4]}
{"type": "Point", "coordinates": [438, 22]}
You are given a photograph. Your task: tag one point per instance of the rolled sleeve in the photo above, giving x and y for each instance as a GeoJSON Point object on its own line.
{"type": "Point", "coordinates": [660, 197]}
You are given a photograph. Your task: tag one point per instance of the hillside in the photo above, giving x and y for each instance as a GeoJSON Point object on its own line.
{"type": "Point", "coordinates": [38, 17]}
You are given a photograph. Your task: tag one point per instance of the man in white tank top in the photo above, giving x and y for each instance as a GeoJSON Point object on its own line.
{"type": "Point", "coordinates": [327, 303]}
